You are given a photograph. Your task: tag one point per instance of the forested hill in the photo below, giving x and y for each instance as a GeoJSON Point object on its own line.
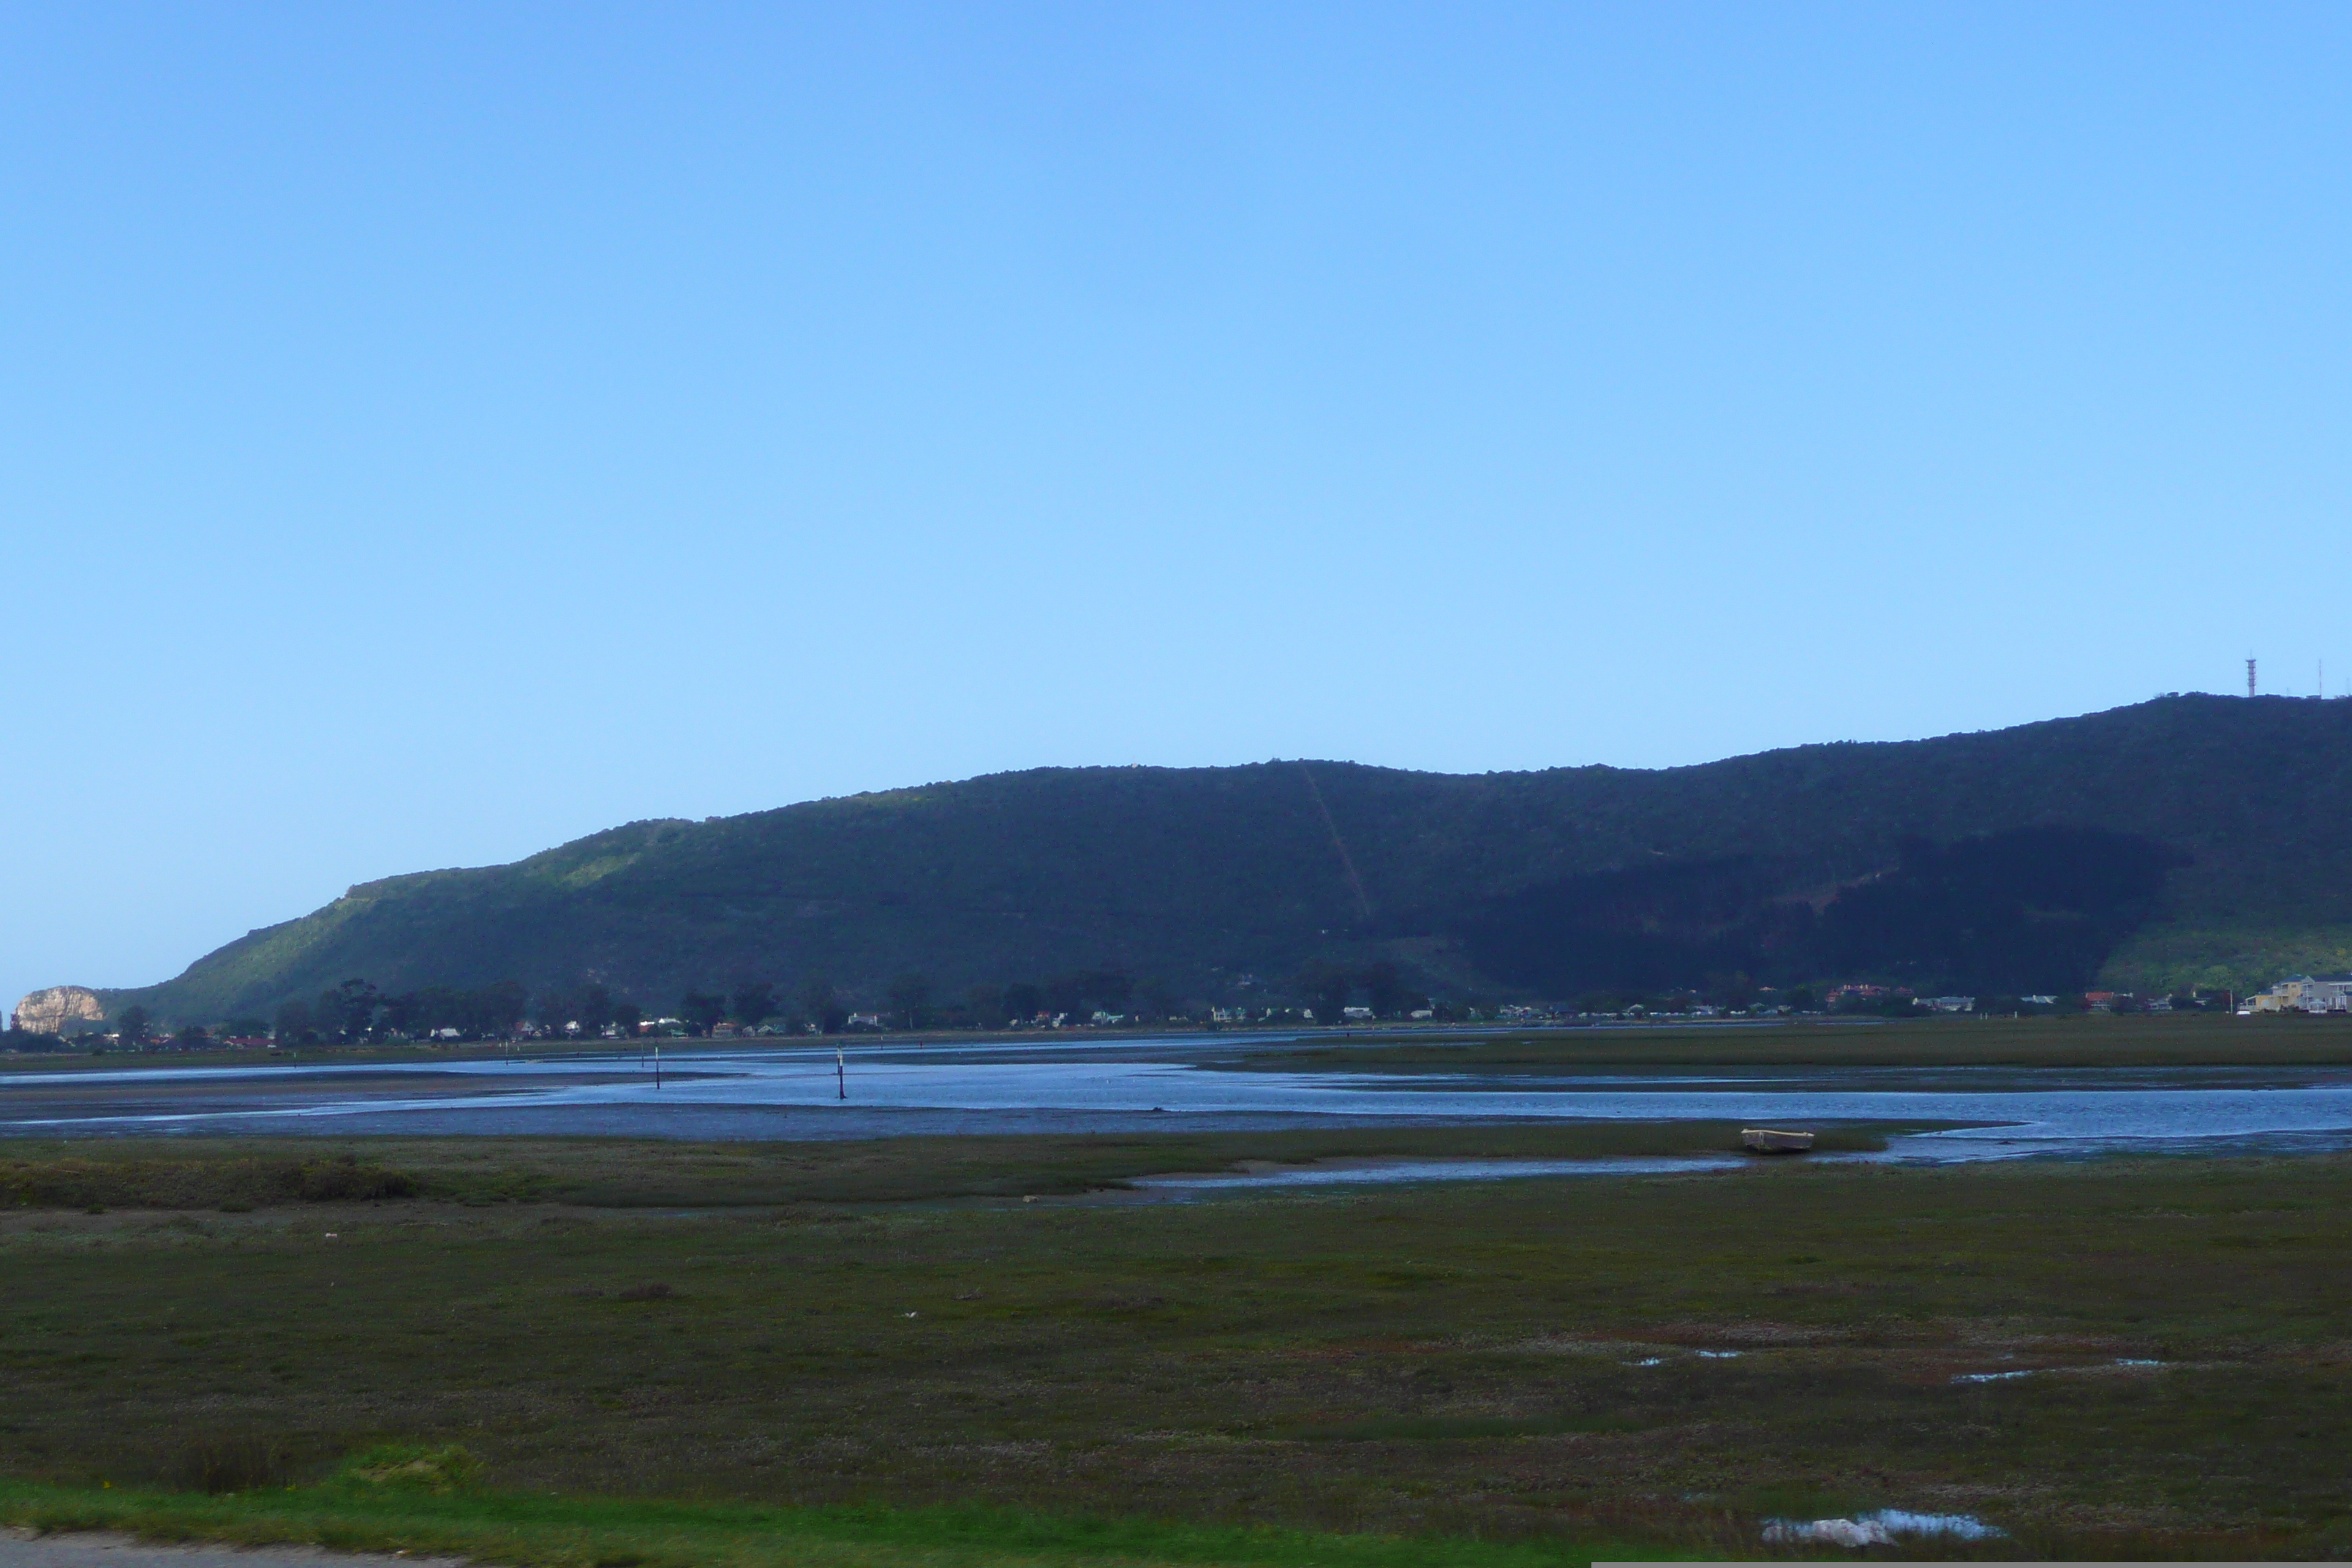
{"type": "Point", "coordinates": [2184, 839]}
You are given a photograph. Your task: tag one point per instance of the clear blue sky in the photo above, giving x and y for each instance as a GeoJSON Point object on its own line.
{"type": "Point", "coordinates": [429, 433]}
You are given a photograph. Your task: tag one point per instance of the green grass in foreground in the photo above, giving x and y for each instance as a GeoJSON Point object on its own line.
{"type": "Point", "coordinates": [588, 1532]}
{"type": "Point", "coordinates": [1538, 1366]}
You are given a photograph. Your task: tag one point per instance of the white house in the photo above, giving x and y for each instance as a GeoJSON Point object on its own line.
{"type": "Point", "coordinates": [2306, 993]}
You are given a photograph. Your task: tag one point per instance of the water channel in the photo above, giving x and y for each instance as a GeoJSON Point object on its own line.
{"type": "Point", "coordinates": [792, 1091]}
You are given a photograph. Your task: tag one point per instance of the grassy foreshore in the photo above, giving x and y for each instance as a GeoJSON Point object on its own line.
{"type": "Point", "coordinates": [1666, 1361]}
{"type": "Point", "coordinates": [556, 1531]}
{"type": "Point", "coordinates": [2177, 1040]}
{"type": "Point", "coordinates": [241, 1174]}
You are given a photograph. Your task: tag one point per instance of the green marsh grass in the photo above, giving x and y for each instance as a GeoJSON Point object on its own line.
{"type": "Point", "coordinates": [1528, 1366]}
{"type": "Point", "coordinates": [2090, 1040]}
{"type": "Point", "coordinates": [582, 1532]}
{"type": "Point", "coordinates": [240, 1174]}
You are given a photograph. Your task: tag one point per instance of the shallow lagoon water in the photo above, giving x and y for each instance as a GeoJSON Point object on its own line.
{"type": "Point", "coordinates": [1882, 1528]}
{"type": "Point", "coordinates": [790, 1091]}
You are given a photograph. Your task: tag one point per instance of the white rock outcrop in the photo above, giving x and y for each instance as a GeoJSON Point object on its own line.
{"type": "Point", "coordinates": [48, 1012]}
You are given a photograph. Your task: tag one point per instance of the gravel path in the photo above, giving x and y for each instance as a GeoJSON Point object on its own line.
{"type": "Point", "coordinates": [23, 1549]}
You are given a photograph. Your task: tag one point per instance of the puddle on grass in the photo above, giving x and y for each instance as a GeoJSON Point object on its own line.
{"type": "Point", "coordinates": [2042, 1370]}
{"type": "Point", "coordinates": [1880, 1528]}
{"type": "Point", "coordinates": [1373, 1169]}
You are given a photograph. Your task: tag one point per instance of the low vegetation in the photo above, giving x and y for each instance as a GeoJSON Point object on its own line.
{"type": "Point", "coordinates": [2109, 1358]}
{"type": "Point", "coordinates": [137, 1176]}
{"type": "Point", "coordinates": [580, 1532]}
{"type": "Point", "coordinates": [239, 1175]}
{"type": "Point", "coordinates": [2158, 1040]}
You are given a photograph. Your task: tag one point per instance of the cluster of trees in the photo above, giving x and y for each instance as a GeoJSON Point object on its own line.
{"type": "Point", "coordinates": [133, 1028]}
{"type": "Point", "coordinates": [912, 1002]}
{"type": "Point", "coordinates": [1330, 989]}
{"type": "Point", "coordinates": [1896, 1002]}
{"type": "Point", "coordinates": [592, 1007]}
{"type": "Point", "coordinates": [749, 1004]}
{"type": "Point", "coordinates": [1078, 996]}
{"type": "Point", "coordinates": [356, 1011]}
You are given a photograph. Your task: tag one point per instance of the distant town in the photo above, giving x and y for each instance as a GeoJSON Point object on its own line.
{"type": "Point", "coordinates": [75, 1018]}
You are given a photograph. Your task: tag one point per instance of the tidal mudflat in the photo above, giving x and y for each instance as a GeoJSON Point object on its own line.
{"type": "Point", "coordinates": [1992, 1091]}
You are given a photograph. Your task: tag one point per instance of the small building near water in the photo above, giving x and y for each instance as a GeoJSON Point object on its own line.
{"type": "Point", "coordinates": [2306, 994]}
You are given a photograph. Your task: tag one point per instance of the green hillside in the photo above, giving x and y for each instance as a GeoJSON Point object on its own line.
{"type": "Point", "coordinates": [2223, 855]}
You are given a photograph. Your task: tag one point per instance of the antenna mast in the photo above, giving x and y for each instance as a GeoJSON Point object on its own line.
{"type": "Point", "coordinates": [2250, 676]}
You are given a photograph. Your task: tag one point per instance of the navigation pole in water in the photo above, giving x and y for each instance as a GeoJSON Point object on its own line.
{"type": "Point", "coordinates": [840, 1071]}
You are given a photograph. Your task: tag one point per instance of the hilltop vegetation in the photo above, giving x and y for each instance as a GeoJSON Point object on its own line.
{"type": "Point", "coordinates": [2185, 841]}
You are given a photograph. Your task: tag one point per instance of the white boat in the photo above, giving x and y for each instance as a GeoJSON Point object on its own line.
{"type": "Point", "coordinates": [1767, 1140]}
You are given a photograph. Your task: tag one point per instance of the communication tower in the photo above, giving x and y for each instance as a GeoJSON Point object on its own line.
{"type": "Point", "coordinates": [2250, 677]}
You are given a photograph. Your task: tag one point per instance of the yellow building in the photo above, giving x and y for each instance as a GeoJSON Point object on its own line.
{"type": "Point", "coordinates": [2306, 994]}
